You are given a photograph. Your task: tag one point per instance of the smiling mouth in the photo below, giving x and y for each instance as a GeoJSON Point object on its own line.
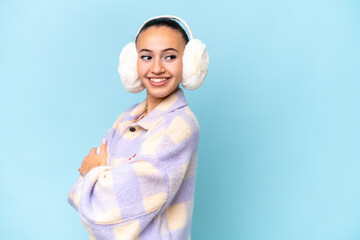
{"type": "Point", "coordinates": [157, 80]}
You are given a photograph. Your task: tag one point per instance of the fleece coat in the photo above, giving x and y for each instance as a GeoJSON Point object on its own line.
{"type": "Point", "coordinates": [146, 190]}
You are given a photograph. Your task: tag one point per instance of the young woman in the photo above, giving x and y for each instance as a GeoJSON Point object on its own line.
{"type": "Point", "coordinates": [139, 184]}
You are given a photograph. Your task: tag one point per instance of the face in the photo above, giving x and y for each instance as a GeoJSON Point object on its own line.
{"type": "Point", "coordinates": [159, 63]}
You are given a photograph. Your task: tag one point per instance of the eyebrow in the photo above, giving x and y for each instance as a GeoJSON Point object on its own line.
{"type": "Point", "coordinates": [170, 49]}
{"type": "Point", "coordinates": [165, 50]}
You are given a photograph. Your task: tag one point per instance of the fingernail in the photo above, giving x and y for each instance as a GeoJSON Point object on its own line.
{"type": "Point", "coordinates": [104, 141]}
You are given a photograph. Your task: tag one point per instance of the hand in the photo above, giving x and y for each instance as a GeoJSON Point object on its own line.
{"type": "Point", "coordinates": [93, 160]}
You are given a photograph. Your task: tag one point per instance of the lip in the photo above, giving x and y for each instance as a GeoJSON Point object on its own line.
{"type": "Point", "coordinates": [158, 84]}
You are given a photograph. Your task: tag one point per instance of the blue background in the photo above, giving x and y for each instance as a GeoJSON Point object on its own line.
{"type": "Point", "coordinates": [279, 113]}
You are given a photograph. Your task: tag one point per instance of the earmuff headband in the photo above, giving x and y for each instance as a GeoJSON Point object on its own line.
{"type": "Point", "coordinates": [170, 17]}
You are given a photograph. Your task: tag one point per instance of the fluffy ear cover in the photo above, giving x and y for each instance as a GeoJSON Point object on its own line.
{"type": "Point", "coordinates": [195, 64]}
{"type": "Point", "coordinates": [128, 69]}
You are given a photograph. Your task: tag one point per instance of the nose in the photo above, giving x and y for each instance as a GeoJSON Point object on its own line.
{"type": "Point", "coordinates": [157, 67]}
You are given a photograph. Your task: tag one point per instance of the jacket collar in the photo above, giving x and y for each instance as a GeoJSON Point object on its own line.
{"type": "Point", "coordinates": [170, 103]}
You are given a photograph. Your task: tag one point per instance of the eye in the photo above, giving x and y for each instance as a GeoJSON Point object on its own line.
{"type": "Point", "coordinates": [146, 58]}
{"type": "Point", "coordinates": [171, 57]}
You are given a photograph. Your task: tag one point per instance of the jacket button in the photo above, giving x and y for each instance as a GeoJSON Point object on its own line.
{"type": "Point", "coordinates": [132, 129]}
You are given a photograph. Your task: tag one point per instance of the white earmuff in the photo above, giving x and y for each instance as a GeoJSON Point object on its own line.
{"type": "Point", "coordinates": [195, 62]}
{"type": "Point", "coordinates": [128, 69]}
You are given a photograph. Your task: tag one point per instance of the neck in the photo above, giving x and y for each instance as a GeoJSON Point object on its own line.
{"type": "Point", "coordinates": [152, 102]}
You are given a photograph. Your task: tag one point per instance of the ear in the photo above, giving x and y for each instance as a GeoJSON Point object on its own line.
{"type": "Point", "coordinates": [195, 64]}
{"type": "Point", "coordinates": [128, 69]}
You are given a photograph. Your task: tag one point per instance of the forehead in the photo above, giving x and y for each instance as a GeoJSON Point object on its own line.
{"type": "Point", "coordinates": [160, 37]}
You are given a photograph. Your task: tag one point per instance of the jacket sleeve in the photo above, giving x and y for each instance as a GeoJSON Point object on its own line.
{"type": "Point", "coordinates": [75, 191]}
{"type": "Point", "coordinates": [132, 194]}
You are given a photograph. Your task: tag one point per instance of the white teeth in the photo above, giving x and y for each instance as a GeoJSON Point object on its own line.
{"type": "Point", "coordinates": [158, 79]}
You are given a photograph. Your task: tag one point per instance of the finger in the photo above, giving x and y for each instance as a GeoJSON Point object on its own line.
{"type": "Point", "coordinates": [92, 151]}
{"type": "Point", "coordinates": [103, 162]}
{"type": "Point", "coordinates": [103, 150]}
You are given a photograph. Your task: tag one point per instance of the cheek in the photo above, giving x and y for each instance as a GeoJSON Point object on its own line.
{"type": "Point", "coordinates": [141, 68]}
{"type": "Point", "coordinates": [177, 68]}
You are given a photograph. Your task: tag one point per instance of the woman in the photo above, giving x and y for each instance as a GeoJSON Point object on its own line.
{"type": "Point", "coordinates": [140, 183]}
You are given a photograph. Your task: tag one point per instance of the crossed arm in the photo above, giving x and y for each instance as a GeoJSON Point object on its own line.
{"type": "Point", "coordinates": [93, 159]}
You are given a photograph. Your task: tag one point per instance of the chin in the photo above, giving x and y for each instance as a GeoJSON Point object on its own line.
{"type": "Point", "coordinates": [160, 92]}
